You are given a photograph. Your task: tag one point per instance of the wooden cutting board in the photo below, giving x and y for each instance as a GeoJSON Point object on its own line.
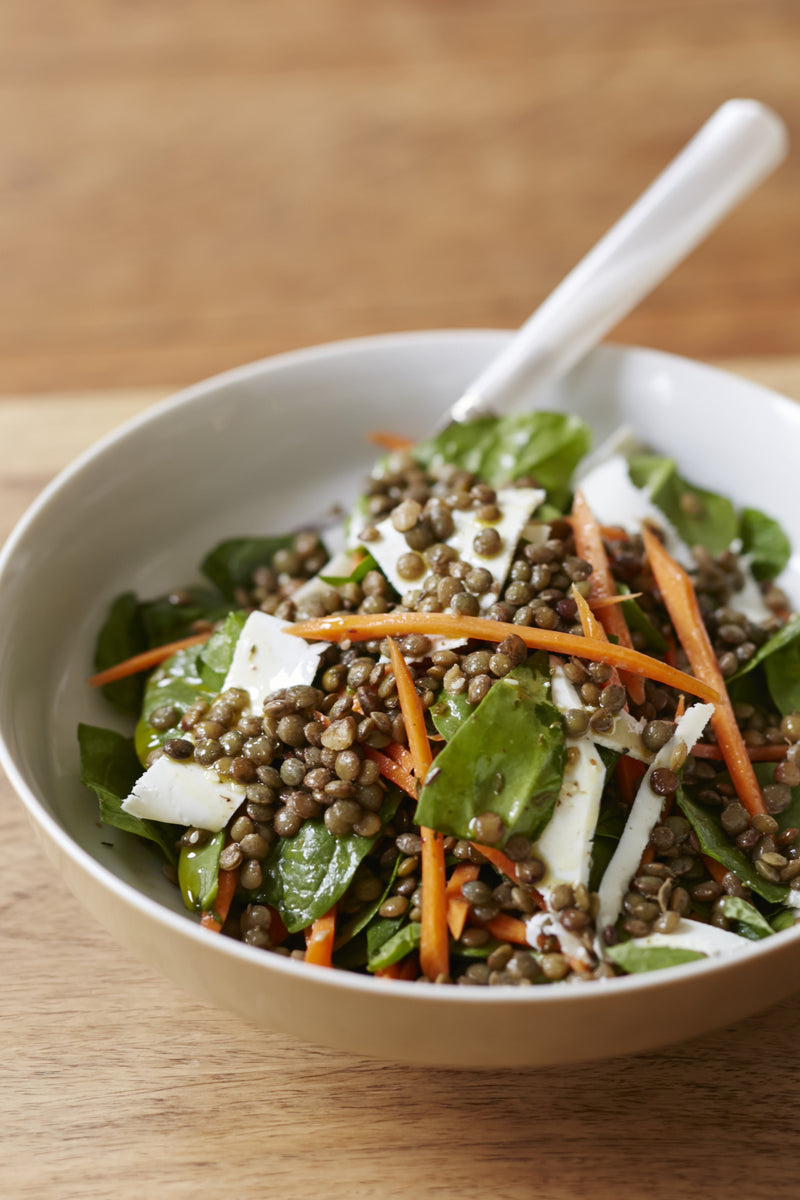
{"type": "Point", "coordinates": [116, 1084]}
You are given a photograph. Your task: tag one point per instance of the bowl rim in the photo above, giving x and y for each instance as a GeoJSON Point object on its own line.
{"type": "Point", "coordinates": [176, 922]}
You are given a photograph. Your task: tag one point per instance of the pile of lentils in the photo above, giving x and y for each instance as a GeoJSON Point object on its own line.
{"type": "Point", "coordinates": [307, 754]}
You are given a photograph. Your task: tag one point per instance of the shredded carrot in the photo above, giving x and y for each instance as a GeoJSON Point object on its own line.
{"type": "Point", "coordinates": [680, 599]}
{"type": "Point", "coordinates": [648, 854]}
{"type": "Point", "coordinates": [145, 661]}
{"type": "Point", "coordinates": [226, 886]}
{"type": "Point", "coordinates": [754, 753]}
{"type": "Point", "coordinates": [680, 707]}
{"type": "Point", "coordinates": [589, 546]}
{"type": "Point", "coordinates": [388, 441]}
{"type": "Point", "coordinates": [507, 929]}
{"type": "Point", "coordinates": [499, 860]}
{"type": "Point", "coordinates": [407, 969]}
{"type": "Point", "coordinates": [401, 755]}
{"type": "Point", "coordinates": [392, 771]}
{"type": "Point", "coordinates": [607, 601]}
{"type": "Point", "coordinates": [360, 627]}
{"type": "Point", "coordinates": [592, 628]}
{"type": "Point", "coordinates": [457, 906]}
{"type": "Point", "coordinates": [629, 772]}
{"type": "Point", "coordinates": [434, 949]}
{"type": "Point", "coordinates": [278, 933]}
{"type": "Point", "coordinates": [715, 869]}
{"type": "Point", "coordinates": [319, 939]}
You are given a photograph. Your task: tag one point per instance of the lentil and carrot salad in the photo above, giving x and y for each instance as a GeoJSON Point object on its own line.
{"type": "Point", "coordinates": [537, 720]}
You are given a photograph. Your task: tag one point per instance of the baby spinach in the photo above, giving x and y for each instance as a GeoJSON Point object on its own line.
{"type": "Point", "coordinates": [306, 874]}
{"type": "Point", "coordinates": [231, 564]}
{"type": "Point", "coordinates": [749, 921]}
{"type": "Point", "coordinates": [639, 622]}
{"type": "Point", "coordinates": [217, 655]}
{"type": "Point", "coordinates": [507, 758]}
{"type": "Point", "coordinates": [545, 445]}
{"type": "Point", "coordinates": [175, 683]}
{"type": "Point", "coordinates": [198, 873]}
{"type": "Point", "coordinates": [634, 958]}
{"type": "Point", "coordinates": [764, 542]}
{"type": "Point", "coordinates": [449, 712]}
{"type": "Point", "coordinates": [716, 843]}
{"type": "Point", "coordinates": [109, 767]}
{"type": "Point", "coordinates": [360, 920]}
{"type": "Point", "coordinates": [700, 517]}
{"type": "Point", "coordinates": [785, 918]}
{"type": "Point", "coordinates": [361, 569]}
{"type": "Point", "coordinates": [783, 677]}
{"type": "Point", "coordinates": [397, 947]}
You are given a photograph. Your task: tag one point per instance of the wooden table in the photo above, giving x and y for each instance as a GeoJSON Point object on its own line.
{"type": "Point", "coordinates": [116, 1084]}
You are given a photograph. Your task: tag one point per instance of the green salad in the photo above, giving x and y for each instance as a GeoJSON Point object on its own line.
{"type": "Point", "coordinates": [531, 716]}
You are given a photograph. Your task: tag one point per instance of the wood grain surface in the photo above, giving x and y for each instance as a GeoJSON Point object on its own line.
{"type": "Point", "coordinates": [115, 1084]}
{"type": "Point", "coordinates": [189, 185]}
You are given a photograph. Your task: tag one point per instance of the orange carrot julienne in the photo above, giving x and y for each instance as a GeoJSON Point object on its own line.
{"type": "Point", "coordinates": [680, 599]}
{"type": "Point", "coordinates": [278, 933]}
{"type": "Point", "coordinates": [388, 441]}
{"type": "Point", "coordinates": [629, 772]}
{"type": "Point", "coordinates": [319, 939]}
{"type": "Point", "coordinates": [360, 627]}
{"type": "Point", "coordinates": [680, 707]}
{"type": "Point", "coordinates": [715, 869]}
{"type": "Point", "coordinates": [145, 661]}
{"type": "Point", "coordinates": [591, 627]}
{"type": "Point", "coordinates": [608, 601]}
{"type": "Point", "coordinates": [226, 886]}
{"type": "Point", "coordinates": [457, 906]}
{"type": "Point", "coordinates": [401, 755]}
{"type": "Point", "coordinates": [589, 546]}
{"type": "Point", "coordinates": [391, 770]}
{"type": "Point", "coordinates": [407, 969]}
{"type": "Point", "coordinates": [507, 929]}
{"type": "Point", "coordinates": [498, 859]}
{"type": "Point", "coordinates": [754, 753]}
{"type": "Point", "coordinates": [434, 948]}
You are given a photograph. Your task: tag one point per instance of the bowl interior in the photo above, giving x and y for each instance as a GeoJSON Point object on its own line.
{"type": "Point", "coordinates": [269, 446]}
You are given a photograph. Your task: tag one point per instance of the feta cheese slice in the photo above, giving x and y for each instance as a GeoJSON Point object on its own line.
{"type": "Point", "coordinates": [182, 793]}
{"type": "Point", "coordinates": [644, 814]}
{"type": "Point", "coordinates": [614, 500]}
{"type": "Point", "coordinates": [695, 935]}
{"type": "Point", "coordinates": [267, 658]}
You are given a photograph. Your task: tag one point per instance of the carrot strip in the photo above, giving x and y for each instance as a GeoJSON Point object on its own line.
{"type": "Point", "coordinates": [145, 661]}
{"type": "Point", "coordinates": [592, 628]}
{"type": "Point", "coordinates": [400, 755]}
{"type": "Point", "coordinates": [498, 859]}
{"type": "Point", "coordinates": [388, 441]}
{"type": "Point", "coordinates": [680, 707]}
{"type": "Point", "coordinates": [457, 906]}
{"type": "Point", "coordinates": [715, 869]}
{"type": "Point", "coordinates": [225, 889]}
{"type": "Point", "coordinates": [589, 546]}
{"type": "Point", "coordinates": [392, 771]}
{"type": "Point", "coordinates": [319, 939]}
{"type": "Point", "coordinates": [361, 627]}
{"type": "Point", "coordinates": [608, 601]}
{"type": "Point", "coordinates": [278, 933]}
{"type": "Point", "coordinates": [434, 949]}
{"type": "Point", "coordinates": [754, 753]}
{"type": "Point", "coordinates": [407, 968]}
{"type": "Point", "coordinates": [507, 929]}
{"type": "Point", "coordinates": [629, 772]}
{"type": "Point", "coordinates": [680, 599]}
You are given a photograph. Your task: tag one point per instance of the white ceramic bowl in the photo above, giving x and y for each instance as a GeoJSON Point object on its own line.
{"type": "Point", "coordinates": [263, 448]}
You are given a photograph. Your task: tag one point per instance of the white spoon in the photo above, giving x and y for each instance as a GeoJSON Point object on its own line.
{"type": "Point", "coordinates": [733, 152]}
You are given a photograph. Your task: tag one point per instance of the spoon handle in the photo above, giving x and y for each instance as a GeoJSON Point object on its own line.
{"type": "Point", "coordinates": [733, 152]}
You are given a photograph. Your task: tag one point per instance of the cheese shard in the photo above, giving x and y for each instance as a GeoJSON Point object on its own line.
{"type": "Point", "coordinates": [184, 793]}
{"type": "Point", "coordinates": [645, 813]}
{"type": "Point", "coordinates": [266, 658]}
{"type": "Point", "coordinates": [614, 500]}
{"type": "Point", "coordinates": [696, 935]}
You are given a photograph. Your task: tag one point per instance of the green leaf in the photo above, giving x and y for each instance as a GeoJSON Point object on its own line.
{"type": "Point", "coordinates": [449, 713]}
{"type": "Point", "coordinates": [639, 622]}
{"type": "Point", "coordinates": [231, 564]}
{"type": "Point", "coordinates": [121, 636]}
{"type": "Point", "coordinates": [634, 958]}
{"type": "Point", "coordinates": [716, 843]}
{"type": "Point", "coordinates": [216, 655]}
{"type": "Point", "coordinates": [790, 817]}
{"type": "Point", "coordinates": [360, 920]}
{"type": "Point", "coordinates": [507, 758]}
{"type": "Point", "coordinates": [545, 445]}
{"type": "Point", "coordinates": [380, 930]}
{"type": "Point", "coordinates": [750, 921]}
{"type": "Point", "coordinates": [784, 637]}
{"type": "Point", "coordinates": [362, 568]}
{"type": "Point", "coordinates": [174, 683]}
{"type": "Point", "coordinates": [783, 678]}
{"type": "Point", "coordinates": [608, 831]}
{"type": "Point", "coordinates": [699, 517]}
{"type": "Point", "coordinates": [765, 543]}
{"type": "Point", "coordinates": [109, 767]}
{"type": "Point", "coordinates": [198, 873]}
{"type": "Point", "coordinates": [397, 947]}
{"type": "Point", "coordinates": [785, 918]}
{"type": "Point", "coordinates": [165, 621]}
{"type": "Point", "coordinates": [306, 874]}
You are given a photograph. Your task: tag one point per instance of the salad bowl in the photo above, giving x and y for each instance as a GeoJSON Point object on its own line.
{"type": "Point", "coordinates": [274, 446]}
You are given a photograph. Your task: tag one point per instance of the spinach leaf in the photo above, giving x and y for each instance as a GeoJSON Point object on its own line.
{"type": "Point", "coordinates": [379, 931]}
{"type": "Point", "coordinates": [198, 873]}
{"type": "Point", "coordinates": [764, 542]}
{"type": "Point", "coordinates": [217, 654]}
{"type": "Point", "coordinates": [639, 622]}
{"type": "Point", "coordinates": [360, 920]}
{"type": "Point", "coordinates": [230, 565]}
{"type": "Point", "coordinates": [783, 638]}
{"type": "Point", "coordinates": [750, 923]}
{"type": "Point", "coordinates": [174, 683]}
{"type": "Point", "coordinates": [366, 564]}
{"type": "Point", "coordinates": [109, 767]}
{"type": "Point", "coordinates": [790, 817]}
{"type": "Point", "coordinates": [700, 517]}
{"type": "Point", "coordinates": [166, 621]}
{"type": "Point", "coordinates": [121, 636]}
{"type": "Point", "coordinates": [785, 918]}
{"type": "Point", "coordinates": [545, 445]}
{"type": "Point", "coordinates": [608, 831]}
{"type": "Point", "coordinates": [634, 958]}
{"type": "Point", "coordinates": [449, 713]}
{"type": "Point", "coordinates": [508, 758]}
{"type": "Point", "coordinates": [715, 842]}
{"type": "Point", "coordinates": [783, 677]}
{"type": "Point", "coordinates": [401, 944]}
{"type": "Point", "coordinates": [304, 875]}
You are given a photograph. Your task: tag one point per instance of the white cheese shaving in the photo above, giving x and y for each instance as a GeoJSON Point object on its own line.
{"type": "Point", "coordinates": [695, 935]}
{"type": "Point", "coordinates": [644, 814]}
{"type": "Point", "coordinates": [267, 658]}
{"type": "Point", "coordinates": [184, 793]}
{"type": "Point", "coordinates": [614, 500]}
{"type": "Point", "coordinates": [340, 566]}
